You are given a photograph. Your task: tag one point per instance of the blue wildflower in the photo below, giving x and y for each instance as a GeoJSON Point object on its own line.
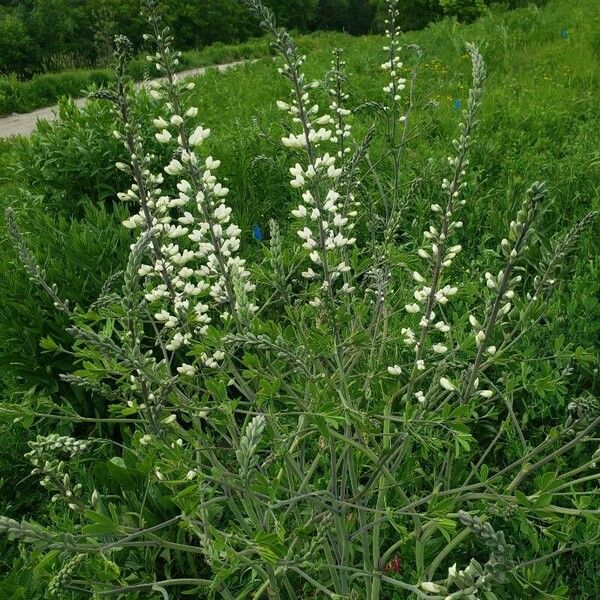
{"type": "Point", "coordinates": [257, 232]}
{"type": "Point", "coordinates": [457, 104]}
{"type": "Point", "coordinates": [564, 33]}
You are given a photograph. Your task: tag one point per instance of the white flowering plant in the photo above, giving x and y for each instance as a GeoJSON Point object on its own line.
{"type": "Point", "coordinates": [328, 433]}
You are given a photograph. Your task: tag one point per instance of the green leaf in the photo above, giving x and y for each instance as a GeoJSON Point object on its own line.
{"type": "Point", "coordinates": [447, 528]}
{"type": "Point", "coordinates": [559, 343]}
{"type": "Point", "coordinates": [543, 500]}
{"type": "Point", "coordinates": [484, 471]}
{"type": "Point", "coordinates": [102, 524]}
{"type": "Point", "coordinates": [270, 547]}
{"type": "Point", "coordinates": [217, 389]}
{"type": "Point", "coordinates": [560, 591]}
{"type": "Point", "coordinates": [48, 343]}
{"type": "Point", "coordinates": [522, 499]}
{"type": "Point", "coordinates": [442, 507]}
{"type": "Point", "coordinates": [529, 531]}
{"type": "Point", "coordinates": [584, 356]}
{"type": "Point", "coordinates": [461, 411]}
{"type": "Point", "coordinates": [548, 481]}
{"type": "Point", "coordinates": [583, 502]}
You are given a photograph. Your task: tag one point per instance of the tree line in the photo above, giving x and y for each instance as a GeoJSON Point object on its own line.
{"type": "Point", "coordinates": [54, 35]}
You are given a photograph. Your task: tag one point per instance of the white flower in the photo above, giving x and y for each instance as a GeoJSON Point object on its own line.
{"type": "Point", "coordinates": [294, 141]}
{"type": "Point", "coordinates": [220, 191]}
{"type": "Point", "coordinates": [300, 212]}
{"type": "Point", "coordinates": [505, 309]}
{"type": "Point", "coordinates": [486, 393]}
{"type": "Point", "coordinates": [440, 348]}
{"type": "Point", "coordinates": [211, 163]}
{"type": "Point", "coordinates": [160, 123]}
{"type": "Point", "coordinates": [395, 370]}
{"type": "Point", "coordinates": [174, 167]}
{"type": "Point", "coordinates": [222, 213]}
{"type": "Point", "coordinates": [429, 586]}
{"type": "Point", "coordinates": [163, 137]}
{"type": "Point", "coordinates": [186, 369]}
{"type": "Point", "coordinates": [198, 136]}
{"type": "Point", "coordinates": [133, 222]}
{"type": "Point", "coordinates": [176, 342]}
{"type": "Point", "coordinates": [305, 234]}
{"type": "Point", "coordinates": [412, 308]}
{"type": "Point", "coordinates": [447, 384]}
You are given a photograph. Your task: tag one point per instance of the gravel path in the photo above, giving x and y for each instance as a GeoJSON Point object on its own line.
{"type": "Point", "coordinates": [24, 124]}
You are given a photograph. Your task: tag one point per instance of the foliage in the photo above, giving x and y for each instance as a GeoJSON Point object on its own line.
{"type": "Point", "coordinates": [529, 126]}
{"type": "Point", "coordinates": [465, 10]}
{"type": "Point", "coordinates": [58, 35]}
{"type": "Point", "coordinates": [54, 35]}
{"type": "Point", "coordinates": [15, 44]}
{"type": "Point", "coordinates": [46, 89]}
{"type": "Point", "coordinates": [81, 255]}
{"type": "Point", "coordinates": [307, 426]}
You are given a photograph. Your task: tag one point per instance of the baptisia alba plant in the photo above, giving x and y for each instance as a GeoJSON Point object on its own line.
{"type": "Point", "coordinates": [341, 431]}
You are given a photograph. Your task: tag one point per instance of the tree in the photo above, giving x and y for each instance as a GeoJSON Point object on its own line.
{"type": "Point", "coordinates": [295, 14]}
{"type": "Point", "coordinates": [51, 26]}
{"type": "Point", "coordinates": [16, 47]}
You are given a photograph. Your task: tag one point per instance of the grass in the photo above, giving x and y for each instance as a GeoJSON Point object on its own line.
{"type": "Point", "coordinates": [17, 96]}
{"type": "Point", "coordinates": [540, 120]}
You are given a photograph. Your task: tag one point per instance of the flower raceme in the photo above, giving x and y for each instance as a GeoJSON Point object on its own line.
{"type": "Point", "coordinates": [393, 65]}
{"type": "Point", "coordinates": [195, 243]}
{"type": "Point", "coordinates": [437, 252]}
{"type": "Point", "coordinates": [326, 223]}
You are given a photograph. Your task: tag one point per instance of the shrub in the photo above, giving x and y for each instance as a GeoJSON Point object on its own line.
{"type": "Point", "coordinates": [465, 10]}
{"type": "Point", "coordinates": [71, 160]}
{"type": "Point", "coordinates": [338, 420]}
{"type": "Point", "coordinates": [15, 44]}
{"type": "Point", "coordinates": [46, 89]}
{"type": "Point", "coordinates": [80, 255]}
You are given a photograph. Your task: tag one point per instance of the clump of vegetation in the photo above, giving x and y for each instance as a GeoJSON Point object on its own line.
{"type": "Point", "coordinates": [40, 36]}
{"type": "Point", "coordinates": [41, 90]}
{"type": "Point", "coordinates": [332, 415]}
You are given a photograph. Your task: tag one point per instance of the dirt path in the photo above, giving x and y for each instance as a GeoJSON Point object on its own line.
{"type": "Point", "coordinates": [24, 124]}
